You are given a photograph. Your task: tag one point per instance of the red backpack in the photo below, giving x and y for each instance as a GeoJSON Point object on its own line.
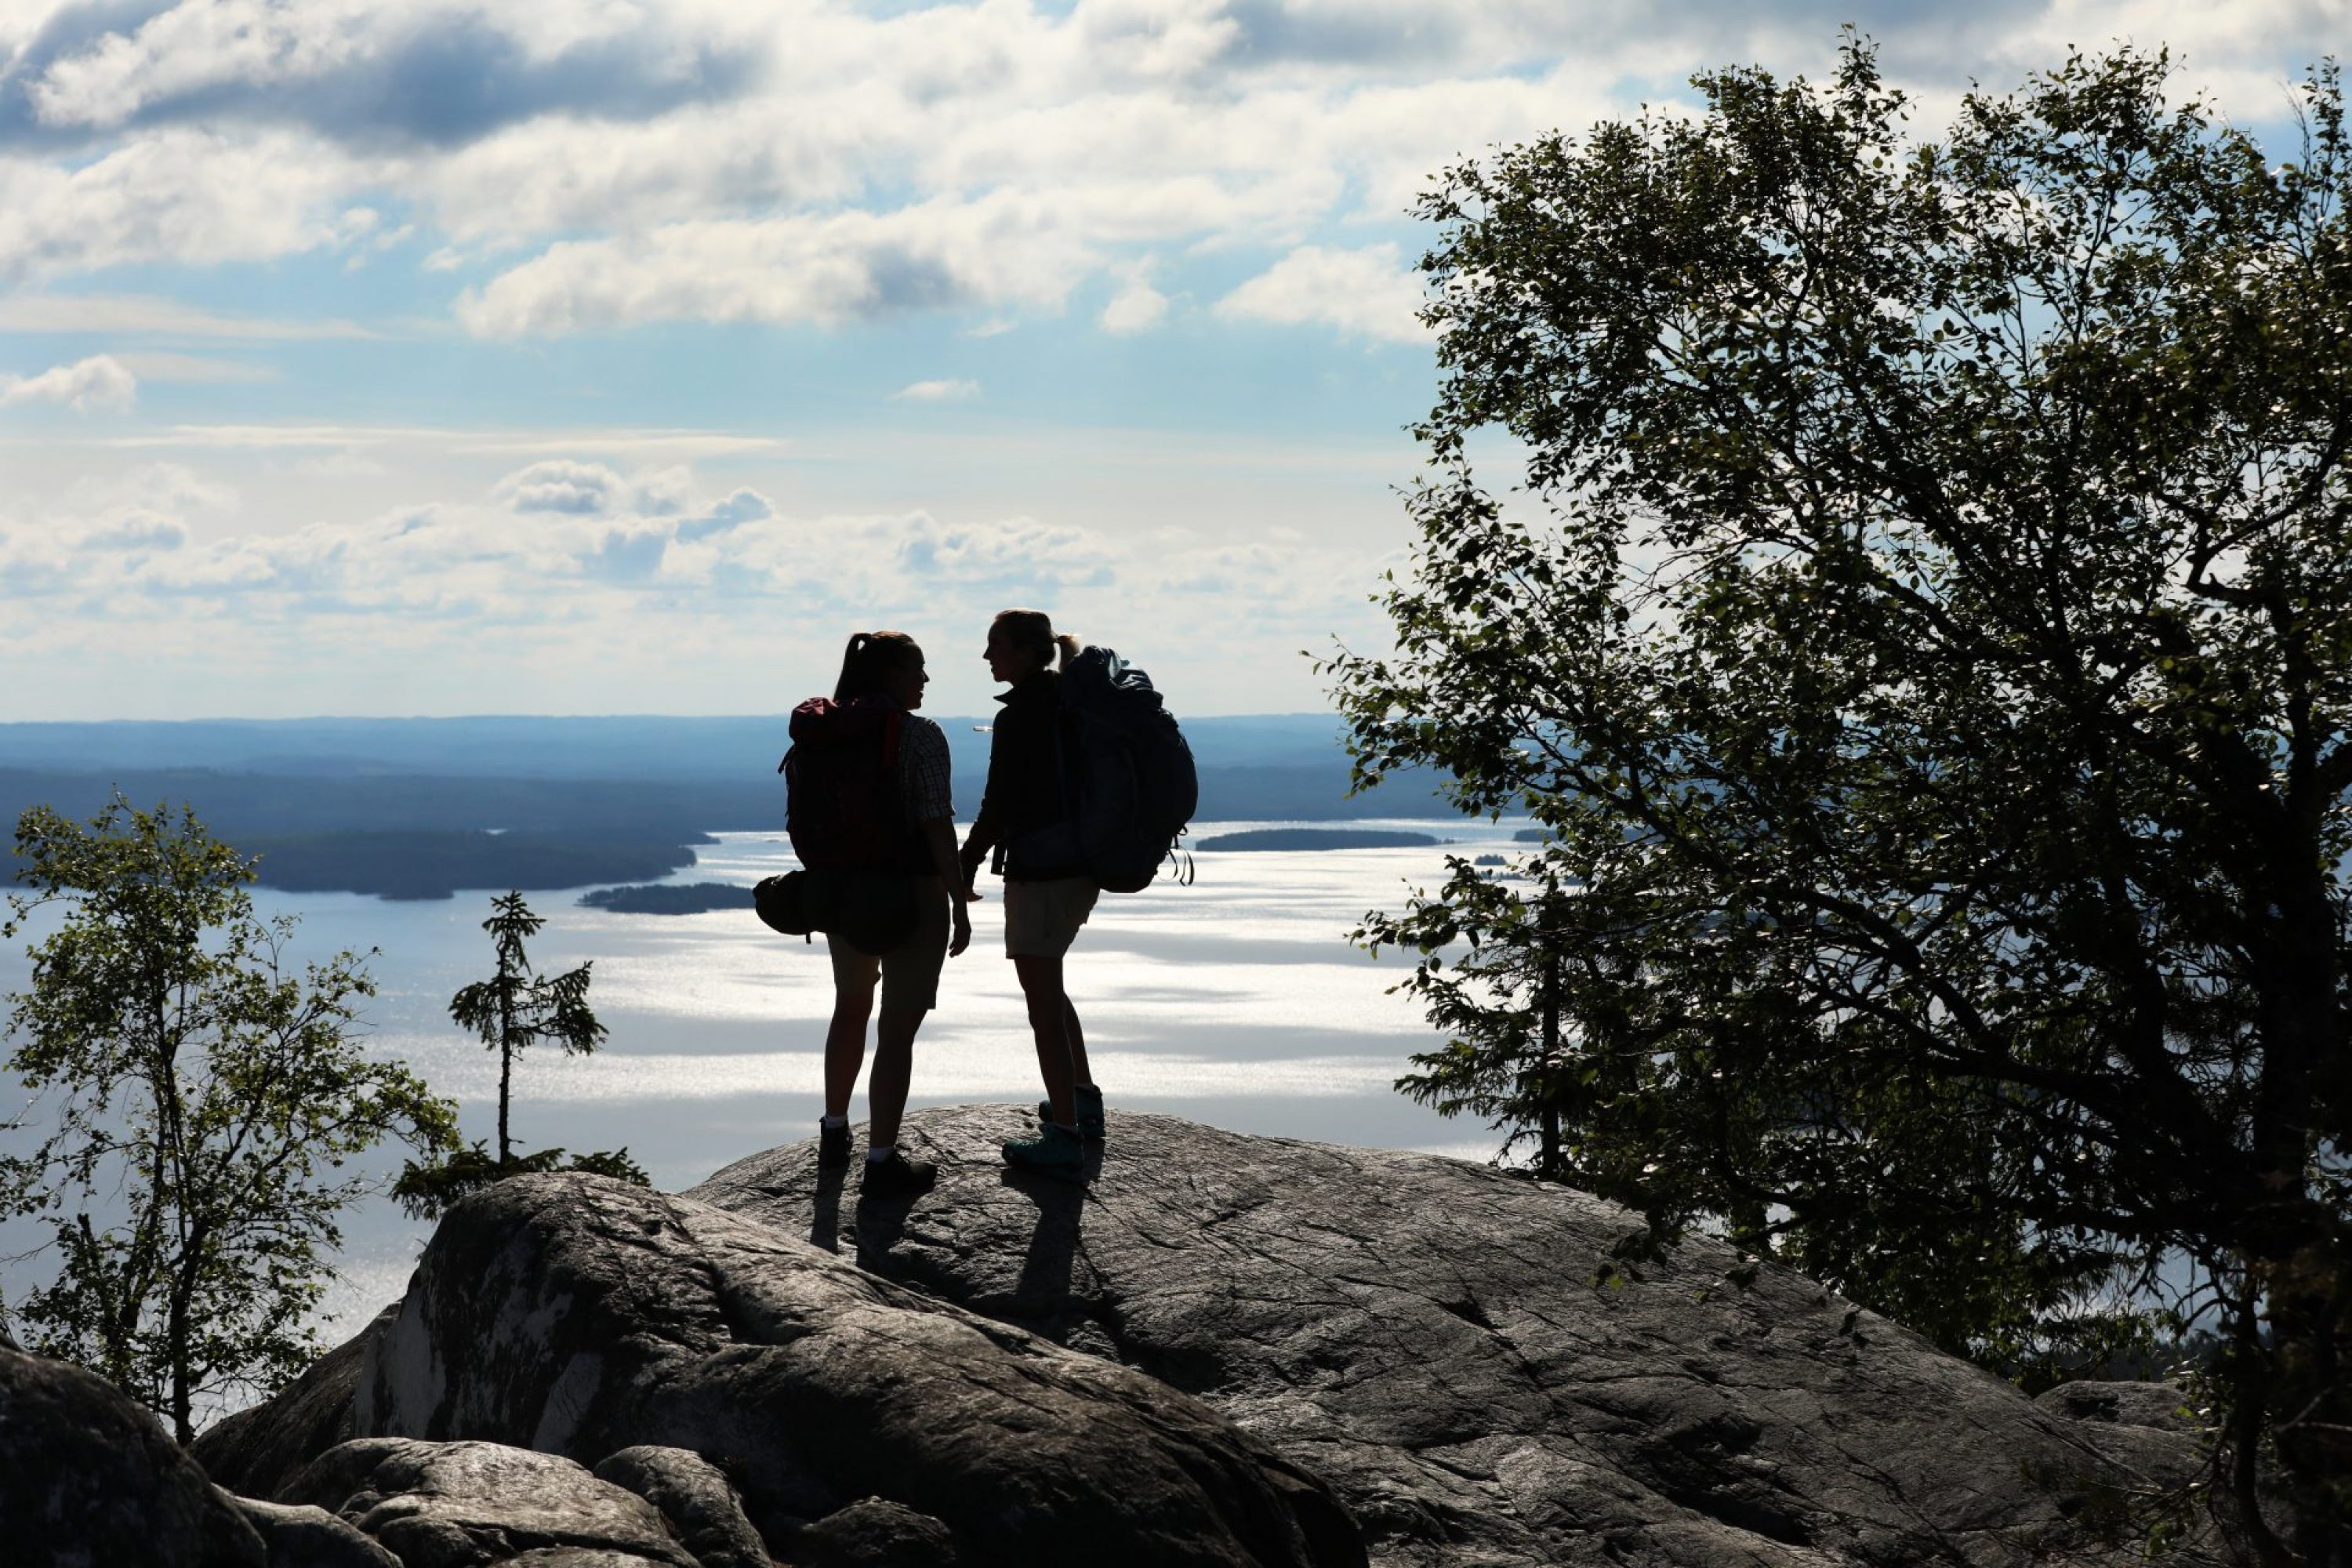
{"type": "Point", "coordinates": [841, 784]}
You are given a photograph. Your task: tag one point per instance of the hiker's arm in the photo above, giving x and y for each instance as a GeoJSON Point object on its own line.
{"type": "Point", "coordinates": [984, 832]}
{"type": "Point", "coordinates": [978, 843]}
{"type": "Point", "coordinates": [939, 838]}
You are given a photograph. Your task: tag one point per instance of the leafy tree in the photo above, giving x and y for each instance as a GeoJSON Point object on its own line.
{"type": "Point", "coordinates": [515, 1009]}
{"type": "Point", "coordinates": [1921, 615]}
{"type": "Point", "coordinates": [202, 1100]}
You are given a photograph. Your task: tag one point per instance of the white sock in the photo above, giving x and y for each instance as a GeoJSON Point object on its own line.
{"type": "Point", "coordinates": [833, 1120]}
{"type": "Point", "coordinates": [876, 1153]}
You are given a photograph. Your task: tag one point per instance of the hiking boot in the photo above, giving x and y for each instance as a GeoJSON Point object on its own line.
{"type": "Point", "coordinates": [898, 1177]}
{"type": "Point", "coordinates": [1088, 1099]}
{"type": "Point", "coordinates": [832, 1146]}
{"type": "Point", "coordinates": [1055, 1151]}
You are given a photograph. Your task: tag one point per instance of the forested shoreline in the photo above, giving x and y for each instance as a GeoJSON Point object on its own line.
{"type": "Point", "coordinates": [429, 808]}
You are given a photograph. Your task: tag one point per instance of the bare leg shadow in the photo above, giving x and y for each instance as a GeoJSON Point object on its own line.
{"type": "Point", "coordinates": [1041, 1296]}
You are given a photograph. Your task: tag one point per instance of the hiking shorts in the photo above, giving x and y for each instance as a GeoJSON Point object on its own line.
{"type": "Point", "coordinates": [1041, 919]}
{"type": "Point", "coordinates": [911, 970]}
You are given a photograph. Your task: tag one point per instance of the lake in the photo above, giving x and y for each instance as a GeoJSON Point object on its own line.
{"type": "Point", "coordinates": [1235, 1000]}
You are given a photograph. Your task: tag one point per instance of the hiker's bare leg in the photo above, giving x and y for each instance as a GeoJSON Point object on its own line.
{"type": "Point", "coordinates": [844, 1044]}
{"type": "Point", "coordinates": [894, 1068]}
{"type": "Point", "coordinates": [1050, 1017]}
{"type": "Point", "coordinates": [1079, 1071]}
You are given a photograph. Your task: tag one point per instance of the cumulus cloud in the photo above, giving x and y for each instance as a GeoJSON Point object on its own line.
{"type": "Point", "coordinates": [744, 506]}
{"type": "Point", "coordinates": [425, 70]}
{"type": "Point", "coordinates": [1138, 307]}
{"type": "Point", "coordinates": [623, 162]}
{"type": "Point", "coordinates": [547, 540]}
{"type": "Point", "coordinates": [574, 488]}
{"type": "Point", "coordinates": [1016, 552]}
{"type": "Point", "coordinates": [186, 196]}
{"type": "Point", "coordinates": [842, 266]}
{"type": "Point", "coordinates": [944, 391]}
{"type": "Point", "coordinates": [107, 532]}
{"type": "Point", "coordinates": [1367, 292]}
{"type": "Point", "coordinates": [98, 382]}
{"type": "Point", "coordinates": [643, 588]}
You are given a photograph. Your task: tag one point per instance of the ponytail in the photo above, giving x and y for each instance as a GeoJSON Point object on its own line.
{"type": "Point", "coordinates": [869, 660]}
{"type": "Point", "coordinates": [1034, 629]}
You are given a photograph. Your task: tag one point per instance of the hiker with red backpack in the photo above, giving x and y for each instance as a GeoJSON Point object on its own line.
{"type": "Point", "coordinates": [869, 805]}
{"type": "Point", "coordinates": [1089, 783]}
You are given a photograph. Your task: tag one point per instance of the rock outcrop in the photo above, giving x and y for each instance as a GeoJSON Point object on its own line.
{"type": "Point", "coordinates": [2143, 1428]}
{"type": "Point", "coordinates": [582, 1322]}
{"type": "Point", "coordinates": [253, 1452]}
{"type": "Point", "coordinates": [1226, 1350]}
{"type": "Point", "coordinates": [306, 1536]}
{"type": "Point", "coordinates": [1486, 1367]}
{"type": "Point", "coordinates": [88, 1476]}
{"type": "Point", "coordinates": [696, 1497]}
{"type": "Point", "coordinates": [468, 1505]}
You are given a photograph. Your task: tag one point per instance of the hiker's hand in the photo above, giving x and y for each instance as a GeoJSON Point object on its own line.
{"type": "Point", "coordinates": [961, 937]}
{"type": "Point", "coordinates": [972, 895]}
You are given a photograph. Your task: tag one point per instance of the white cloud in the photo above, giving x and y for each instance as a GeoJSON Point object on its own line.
{"type": "Point", "coordinates": [1138, 307]}
{"type": "Point", "coordinates": [99, 382]}
{"type": "Point", "coordinates": [565, 487]}
{"type": "Point", "coordinates": [1367, 292]}
{"type": "Point", "coordinates": [552, 541]}
{"type": "Point", "coordinates": [638, 161]}
{"type": "Point", "coordinates": [150, 316]}
{"type": "Point", "coordinates": [938, 392]}
{"type": "Point", "coordinates": [424, 69]}
{"type": "Point", "coordinates": [843, 267]}
{"type": "Point", "coordinates": [637, 588]}
{"type": "Point", "coordinates": [189, 197]}
{"type": "Point", "coordinates": [106, 533]}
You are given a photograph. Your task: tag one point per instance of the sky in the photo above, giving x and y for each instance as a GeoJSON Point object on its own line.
{"type": "Point", "coordinates": [624, 356]}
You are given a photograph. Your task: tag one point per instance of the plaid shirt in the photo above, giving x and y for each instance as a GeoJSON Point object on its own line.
{"type": "Point", "coordinates": [923, 770]}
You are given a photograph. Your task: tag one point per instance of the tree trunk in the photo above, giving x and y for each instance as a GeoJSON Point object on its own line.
{"type": "Point", "coordinates": [2308, 1387]}
{"type": "Point", "coordinates": [1547, 1156]}
{"type": "Point", "coordinates": [184, 1426]}
{"type": "Point", "coordinates": [506, 1053]}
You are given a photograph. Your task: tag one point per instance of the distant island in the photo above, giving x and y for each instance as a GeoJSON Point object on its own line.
{"type": "Point", "coordinates": [1319, 838]}
{"type": "Point", "coordinates": [427, 865]}
{"type": "Point", "coordinates": [670, 899]}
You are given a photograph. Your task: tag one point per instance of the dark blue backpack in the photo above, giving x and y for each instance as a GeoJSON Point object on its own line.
{"type": "Point", "coordinates": [1129, 774]}
{"type": "Point", "coordinates": [841, 791]}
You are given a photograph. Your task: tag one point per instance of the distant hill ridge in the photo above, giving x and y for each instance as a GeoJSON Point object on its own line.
{"type": "Point", "coordinates": [621, 746]}
{"type": "Point", "coordinates": [427, 807]}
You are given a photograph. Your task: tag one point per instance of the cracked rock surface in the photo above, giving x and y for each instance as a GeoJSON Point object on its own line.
{"type": "Point", "coordinates": [470, 1505]}
{"type": "Point", "coordinates": [1429, 1336]}
{"type": "Point", "coordinates": [561, 1322]}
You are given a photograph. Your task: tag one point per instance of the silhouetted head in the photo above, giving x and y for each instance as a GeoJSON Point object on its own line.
{"type": "Point", "coordinates": [882, 664]}
{"type": "Point", "coordinates": [1022, 642]}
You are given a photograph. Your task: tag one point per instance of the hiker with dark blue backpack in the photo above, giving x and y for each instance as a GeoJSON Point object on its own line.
{"type": "Point", "coordinates": [869, 799]}
{"type": "Point", "coordinates": [1089, 783]}
{"type": "Point", "coordinates": [1047, 894]}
